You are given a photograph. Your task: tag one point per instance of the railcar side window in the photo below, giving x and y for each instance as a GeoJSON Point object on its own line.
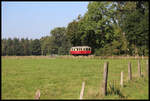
{"type": "Point", "coordinates": [80, 49]}
{"type": "Point", "coordinates": [88, 49]}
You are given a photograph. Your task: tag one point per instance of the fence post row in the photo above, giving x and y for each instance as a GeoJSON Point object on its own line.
{"type": "Point", "coordinates": [129, 71]}
{"type": "Point", "coordinates": [105, 76]}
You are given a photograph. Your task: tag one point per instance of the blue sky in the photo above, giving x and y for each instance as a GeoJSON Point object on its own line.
{"type": "Point", "coordinates": [37, 19]}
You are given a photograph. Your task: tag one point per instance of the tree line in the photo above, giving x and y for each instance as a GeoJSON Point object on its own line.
{"type": "Point", "coordinates": [110, 28]}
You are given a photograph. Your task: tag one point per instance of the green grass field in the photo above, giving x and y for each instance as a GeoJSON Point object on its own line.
{"type": "Point", "coordinates": [61, 78]}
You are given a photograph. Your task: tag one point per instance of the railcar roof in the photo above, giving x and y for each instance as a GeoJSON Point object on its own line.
{"type": "Point", "coordinates": [81, 47]}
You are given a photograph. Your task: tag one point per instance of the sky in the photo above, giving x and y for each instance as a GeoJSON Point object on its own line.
{"type": "Point", "coordinates": [34, 20]}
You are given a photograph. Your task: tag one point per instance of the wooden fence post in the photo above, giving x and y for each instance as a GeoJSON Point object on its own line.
{"type": "Point", "coordinates": [139, 68]}
{"type": "Point", "coordinates": [105, 76]}
{"type": "Point", "coordinates": [129, 71]}
{"type": "Point", "coordinates": [147, 69]}
{"type": "Point", "coordinates": [82, 90]}
{"type": "Point", "coordinates": [121, 82]}
{"type": "Point", "coordinates": [142, 57]}
{"type": "Point", "coordinates": [37, 94]}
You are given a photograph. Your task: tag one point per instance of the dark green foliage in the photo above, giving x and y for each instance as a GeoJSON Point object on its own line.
{"type": "Point", "coordinates": [16, 47]}
{"type": "Point", "coordinates": [36, 48]}
{"type": "Point", "coordinates": [136, 27]}
{"type": "Point", "coordinates": [61, 44]}
{"type": "Point", "coordinates": [9, 46]}
{"type": "Point", "coordinates": [72, 33]}
{"type": "Point", "coordinates": [46, 45]}
{"type": "Point", "coordinates": [3, 47]}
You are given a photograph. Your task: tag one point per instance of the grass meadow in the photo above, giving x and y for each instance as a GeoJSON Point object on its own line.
{"type": "Point", "coordinates": [61, 78]}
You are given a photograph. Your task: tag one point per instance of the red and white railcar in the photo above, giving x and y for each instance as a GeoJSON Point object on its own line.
{"type": "Point", "coordinates": [80, 50]}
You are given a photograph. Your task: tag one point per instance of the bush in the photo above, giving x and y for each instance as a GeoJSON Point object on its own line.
{"type": "Point", "coordinates": [106, 51]}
